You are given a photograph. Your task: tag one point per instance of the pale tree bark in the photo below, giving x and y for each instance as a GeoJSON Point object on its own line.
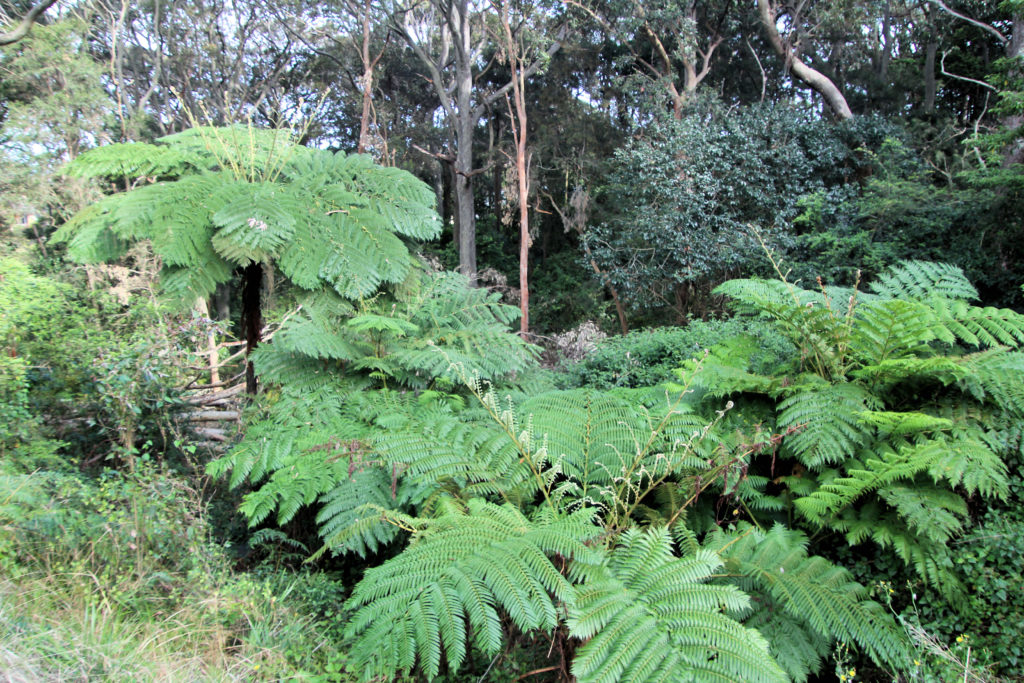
{"type": "Point", "coordinates": [448, 38]}
{"type": "Point", "coordinates": [203, 309]}
{"type": "Point", "coordinates": [25, 25]}
{"type": "Point", "coordinates": [692, 77]}
{"type": "Point", "coordinates": [514, 52]}
{"type": "Point", "coordinates": [369, 65]}
{"type": "Point", "coordinates": [821, 83]}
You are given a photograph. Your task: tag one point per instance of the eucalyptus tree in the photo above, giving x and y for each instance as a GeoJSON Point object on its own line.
{"type": "Point", "coordinates": [670, 42]}
{"type": "Point", "coordinates": [451, 41]}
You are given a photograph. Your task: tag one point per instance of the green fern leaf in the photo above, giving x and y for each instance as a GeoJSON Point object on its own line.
{"type": "Point", "coordinates": [825, 424]}
{"type": "Point", "coordinates": [455, 574]}
{"type": "Point", "coordinates": [923, 280]}
{"type": "Point", "coordinates": [805, 598]}
{"type": "Point", "coordinates": [651, 616]}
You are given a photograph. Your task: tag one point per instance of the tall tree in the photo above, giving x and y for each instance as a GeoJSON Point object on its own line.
{"type": "Point", "coordinates": [672, 42]}
{"type": "Point", "coordinates": [515, 49]}
{"type": "Point", "coordinates": [224, 61]}
{"type": "Point", "coordinates": [451, 41]}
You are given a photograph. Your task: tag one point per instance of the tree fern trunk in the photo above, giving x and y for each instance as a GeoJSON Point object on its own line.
{"type": "Point", "coordinates": [252, 282]}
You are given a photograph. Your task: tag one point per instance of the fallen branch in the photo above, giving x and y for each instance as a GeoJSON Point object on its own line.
{"type": "Point", "coordinates": [212, 434]}
{"type": "Point", "coordinates": [206, 399]}
{"type": "Point", "coordinates": [213, 415]}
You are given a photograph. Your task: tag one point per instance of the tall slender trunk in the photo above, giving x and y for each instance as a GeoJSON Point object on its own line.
{"type": "Point", "coordinates": [522, 172]}
{"type": "Point", "coordinates": [367, 82]}
{"type": "Point", "coordinates": [252, 321]}
{"type": "Point", "coordinates": [464, 209]}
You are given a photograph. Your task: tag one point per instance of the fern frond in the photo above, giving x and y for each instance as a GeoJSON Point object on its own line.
{"type": "Point", "coordinates": [889, 467]}
{"type": "Point", "coordinates": [134, 160]}
{"type": "Point", "coordinates": [996, 377]}
{"type": "Point", "coordinates": [976, 326]}
{"type": "Point", "coordinates": [890, 329]}
{"type": "Point", "coordinates": [346, 523]}
{"type": "Point", "coordinates": [934, 513]}
{"type": "Point", "coordinates": [652, 616]}
{"type": "Point", "coordinates": [805, 597]}
{"type": "Point", "coordinates": [882, 377]}
{"type": "Point", "coordinates": [896, 424]}
{"type": "Point", "coordinates": [454, 575]}
{"type": "Point", "coordinates": [825, 424]}
{"type": "Point", "coordinates": [248, 152]}
{"type": "Point", "coordinates": [184, 285]}
{"type": "Point", "coordinates": [806, 318]}
{"type": "Point", "coordinates": [315, 331]}
{"type": "Point", "coordinates": [588, 436]}
{"type": "Point", "coordinates": [971, 463]}
{"type": "Point", "coordinates": [90, 234]}
{"type": "Point", "coordinates": [254, 221]}
{"type": "Point", "coordinates": [725, 371]}
{"type": "Point", "coordinates": [931, 561]}
{"type": "Point", "coordinates": [922, 280]}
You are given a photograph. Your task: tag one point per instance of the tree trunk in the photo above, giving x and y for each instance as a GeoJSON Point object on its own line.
{"type": "Point", "coordinates": [464, 209]}
{"type": "Point", "coordinates": [367, 82]}
{"type": "Point", "coordinates": [809, 75]}
{"type": "Point", "coordinates": [252, 321]}
{"type": "Point", "coordinates": [886, 57]}
{"type": "Point", "coordinates": [931, 49]}
{"type": "Point", "coordinates": [930, 82]}
{"type": "Point", "coordinates": [203, 308]}
{"type": "Point", "coordinates": [522, 176]}
{"type": "Point", "coordinates": [222, 302]}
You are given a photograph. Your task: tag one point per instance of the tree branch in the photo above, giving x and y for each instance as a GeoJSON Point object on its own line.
{"type": "Point", "coordinates": [942, 69]}
{"type": "Point", "coordinates": [22, 29]}
{"type": "Point", "coordinates": [555, 46]}
{"type": "Point", "coordinates": [974, 22]}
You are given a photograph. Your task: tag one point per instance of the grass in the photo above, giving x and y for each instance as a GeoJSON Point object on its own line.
{"type": "Point", "coordinates": [164, 605]}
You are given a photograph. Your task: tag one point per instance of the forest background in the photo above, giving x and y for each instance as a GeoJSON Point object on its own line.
{"type": "Point", "coordinates": [709, 304]}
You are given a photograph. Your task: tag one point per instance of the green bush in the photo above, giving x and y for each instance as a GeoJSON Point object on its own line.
{"type": "Point", "coordinates": [650, 357]}
{"type": "Point", "coordinates": [991, 560]}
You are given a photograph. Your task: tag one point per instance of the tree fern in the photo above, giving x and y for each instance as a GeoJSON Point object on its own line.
{"type": "Point", "coordinates": [440, 596]}
{"type": "Point", "coordinates": [650, 616]}
{"type": "Point", "coordinates": [890, 426]}
{"type": "Point", "coordinates": [240, 197]}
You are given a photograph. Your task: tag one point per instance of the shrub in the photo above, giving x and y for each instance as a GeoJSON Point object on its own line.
{"type": "Point", "coordinates": [650, 357]}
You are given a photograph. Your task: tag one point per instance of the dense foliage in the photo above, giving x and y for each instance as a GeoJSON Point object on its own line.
{"type": "Point", "coordinates": [254, 424]}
